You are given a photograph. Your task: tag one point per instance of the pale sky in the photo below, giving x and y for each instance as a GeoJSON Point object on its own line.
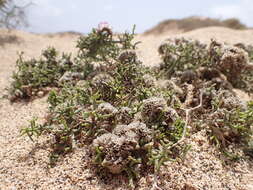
{"type": "Point", "coordinates": [82, 15]}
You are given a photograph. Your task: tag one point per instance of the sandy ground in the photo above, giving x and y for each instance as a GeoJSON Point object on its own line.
{"type": "Point", "coordinates": [24, 164]}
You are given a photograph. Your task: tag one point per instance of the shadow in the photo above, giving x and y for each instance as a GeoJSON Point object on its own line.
{"type": "Point", "coordinates": [30, 155]}
{"type": "Point", "coordinates": [9, 39]}
{"type": "Point", "coordinates": [64, 34]}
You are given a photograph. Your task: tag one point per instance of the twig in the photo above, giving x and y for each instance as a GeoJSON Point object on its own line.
{"type": "Point", "coordinates": [155, 186]}
{"type": "Point", "coordinates": [189, 96]}
{"type": "Point", "coordinates": [188, 111]}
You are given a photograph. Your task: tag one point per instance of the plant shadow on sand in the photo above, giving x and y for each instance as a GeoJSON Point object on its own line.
{"type": "Point", "coordinates": [9, 38]}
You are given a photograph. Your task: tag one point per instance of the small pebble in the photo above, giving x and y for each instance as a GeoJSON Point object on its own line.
{"type": "Point", "coordinates": [40, 94]}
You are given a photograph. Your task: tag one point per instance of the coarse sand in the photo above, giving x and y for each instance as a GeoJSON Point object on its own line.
{"type": "Point", "coordinates": [24, 164]}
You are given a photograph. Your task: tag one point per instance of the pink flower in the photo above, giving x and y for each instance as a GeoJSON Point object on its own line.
{"type": "Point", "coordinates": [103, 25]}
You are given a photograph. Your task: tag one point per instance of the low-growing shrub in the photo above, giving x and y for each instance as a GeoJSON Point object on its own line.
{"type": "Point", "coordinates": [181, 54]}
{"type": "Point", "coordinates": [35, 77]}
{"type": "Point", "coordinates": [190, 60]}
{"type": "Point", "coordinates": [128, 119]}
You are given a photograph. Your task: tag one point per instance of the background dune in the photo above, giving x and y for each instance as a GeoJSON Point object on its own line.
{"type": "Point", "coordinates": [193, 23]}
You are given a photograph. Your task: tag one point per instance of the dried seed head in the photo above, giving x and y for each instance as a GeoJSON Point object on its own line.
{"type": "Point", "coordinates": [172, 86]}
{"type": "Point", "coordinates": [115, 153]}
{"type": "Point", "coordinates": [188, 76]}
{"type": "Point", "coordinates": [70, 76]}
{"type": "Point", "coordinates": [230, 60]}
{"type": "Point", "coordinates": [229, 101]}
{"type": "Point", "coordinates": [128, 56]}
{"type": "Point", "coordinates": [102, 80]}
{"type": "Point", "coordinates": [208, 73]}
{"type": "Point", "coordinates": [135, 130]}
{"type": "Point", "coordinates": [149, 81]}
{"type": "Point", "coordinates": [124, 115]}
{"type": "Point", "coordinates": [153, 108]}
{"type": "Point", "coordinates": [102, 83]}
{"type": "Point", "coordinates": [171, 115]}
{"type": "Point", "coordinates": [106, 108]}
{"type": "Point", "coordinates": [120, 144]}
{"type": "Point", "coordinates": [233, 59]}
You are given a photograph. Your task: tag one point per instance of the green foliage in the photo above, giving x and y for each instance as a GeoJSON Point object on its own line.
{"type": "Point", "coordinates": [120, 111]}
{"type": "Point", "coordinates": [87, 110]}
{"type": "Point", "coordinates": [181, 55]}
{"type": "Point", "coordinates": [36, 74]}
{"type": "Point", "coordinates": [232, 126]}
{"type": "Point", "coordinates": [190, 59]}
{"type": "Point", "coordinates": [242, 122]}
{"type": "Point", "coordinates": [33, 130]}
{"type": "Point", "coordinates": [102, 45]}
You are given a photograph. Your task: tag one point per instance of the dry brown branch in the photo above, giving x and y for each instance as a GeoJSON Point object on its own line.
{"type": "Point", "coordinates": [189, 96]}
{"type": "Point", "coordinates": [188, 111]}
{"type": "Point", "coordinates": [155, 186]}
